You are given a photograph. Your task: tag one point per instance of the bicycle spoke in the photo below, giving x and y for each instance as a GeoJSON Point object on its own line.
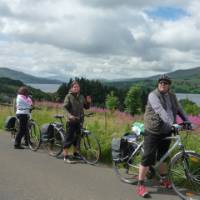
{"type": "Point", "coordinates": [185, 175]}
{"type": "Point", "coordinates": [55, 143]}
{"type": "Point", "coordinates": [128, 168]}
{"type": "Point", "coordinates": [90, 148]}
{"type": "Point", "coordinates": [34, 136]}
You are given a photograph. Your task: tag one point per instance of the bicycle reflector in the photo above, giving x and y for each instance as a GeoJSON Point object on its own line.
{"type": "Point", "coordinates": [194, 159]}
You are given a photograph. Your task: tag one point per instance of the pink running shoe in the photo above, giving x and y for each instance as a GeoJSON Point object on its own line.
{"type": "Point", "coordinates": [166, 183]}
{"type": "Point", "coordinates": [142, 191]}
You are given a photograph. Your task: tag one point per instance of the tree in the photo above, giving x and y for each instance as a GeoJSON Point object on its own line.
{"type": "Point", "coordinates": [61, 92]}
{"type": "Point", "coordinates": [190, 107]}
{"type": "Point", "coordinates": [96, 89]}
{"type": "Point", "coordinates": [133, 103]}
{"type": "Point", "coordinates": [112, 101]}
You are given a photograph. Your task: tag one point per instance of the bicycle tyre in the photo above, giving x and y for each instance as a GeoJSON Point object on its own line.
{"type": "Point", "coordinates": [127, 168]}
{"type": "Point", "coordinates": [184, 173]}
{"type": "Point", "coordinates": [55, 142]}
{"type": "Point", "coordinates": [90, 149]}
{"type": "Point", "coordinates": [34, 139]}
{"type": "Point", "coordinates": [15, 130]}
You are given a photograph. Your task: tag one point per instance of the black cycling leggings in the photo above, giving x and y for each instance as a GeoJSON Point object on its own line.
{"type": "Point", "coordinates": [154, 148]}
{"type": "Point", "coordinates": [73, 134]}
{"type": "Point", "coordinates": [23, 128]}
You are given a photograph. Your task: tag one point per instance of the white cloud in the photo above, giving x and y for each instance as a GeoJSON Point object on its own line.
{"type": "Point", "coordinates": [97, 39]}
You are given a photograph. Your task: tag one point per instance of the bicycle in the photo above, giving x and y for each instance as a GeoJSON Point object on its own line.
{"type": "Point", "coordinates": [89, 148]}
{"type": "Point", "coordinates": [53, 136]}
{"type": "Point", "coordinates": [34, 134]}
{"type": "Point", "coordinates": [183, 171]}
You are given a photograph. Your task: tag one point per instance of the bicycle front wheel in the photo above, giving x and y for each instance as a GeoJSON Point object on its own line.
{"type": "Point", "coordinates": [55, 142]}
{"type": "Point", "coordinates": [34, 136]}
{"type": "Point", "coordinates": [184, 173]}
{"type": "Point", "coordinates": [127, 168]}
{"type": "Point", "coordinates": [90, 148]}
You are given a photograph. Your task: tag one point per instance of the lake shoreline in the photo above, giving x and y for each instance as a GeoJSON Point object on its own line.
{"type": "Point", "coordinates": [51, 88]}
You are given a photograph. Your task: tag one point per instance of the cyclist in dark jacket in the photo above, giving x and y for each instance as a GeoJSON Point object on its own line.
{"type": "Point", "coordinates": [160, 114]}
{"type": "Point", "coordinates": [74, 105]}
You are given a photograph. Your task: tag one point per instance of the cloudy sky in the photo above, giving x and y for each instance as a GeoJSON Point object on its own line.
{"type": "Point", "coordinates": [99, 38]}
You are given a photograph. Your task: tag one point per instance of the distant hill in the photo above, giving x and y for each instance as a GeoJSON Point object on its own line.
{"type": "Point", "coordinates": [184, 81]}
{"type": "Point", "coordinates": [178, 74]}
{"type": "Point", "coordinates": [25, 78]}
{"type": "Point", "coordinates": [9, 87]}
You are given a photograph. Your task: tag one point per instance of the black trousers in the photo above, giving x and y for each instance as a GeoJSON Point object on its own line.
{"type": "Point", "coordinates": [73, 135]}
{"type": "Point", "coordinates": [23, 128]}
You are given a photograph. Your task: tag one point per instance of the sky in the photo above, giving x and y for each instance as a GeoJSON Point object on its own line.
{"type": "Point", "coordinates": [99, 39]}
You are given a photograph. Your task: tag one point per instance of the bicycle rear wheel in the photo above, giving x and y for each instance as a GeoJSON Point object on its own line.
{"type": "Point", "coordinates": [34, 139]}
{"type": "Point", "coordinates": [55, 142]}
{"type": "Point", "coordinates": [89, 147]}
{"type": "Point", "coordinates": [127, 168]}
{"type": "Point", "coordinates": [184, 174]}
{"type": "Point", "coordinates": [14, 131]}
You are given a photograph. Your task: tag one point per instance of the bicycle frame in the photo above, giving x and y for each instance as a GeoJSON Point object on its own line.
{"type": "Point", "coordinates": [177, 139]}
{"type": "Point", "coordinates": [62, 124]}
{"type": "Point", "coordinates": [177, 143]}
{"type": "Point", "coordinates": [135, 151]}
{"type": "Point", "coordinates": [89, 154]}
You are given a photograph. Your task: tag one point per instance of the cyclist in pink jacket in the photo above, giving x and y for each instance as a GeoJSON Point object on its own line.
{"type": "Point", "coordinates": [23, 108]}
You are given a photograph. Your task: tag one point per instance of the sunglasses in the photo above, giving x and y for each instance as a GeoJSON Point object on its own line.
{"type": "Point", "coordinates": [164, 83]}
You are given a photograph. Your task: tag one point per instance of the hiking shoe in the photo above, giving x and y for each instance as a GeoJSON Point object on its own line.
{"type": "Point", "coordinates": [77, 156]}
{"type": "Point", "coordinates": [26, 144]}
{"type": "Point", "coordinates": [69, 160]}
{"type": "Point", "coordinates": [142, 191]}
{"type": "Point", "coordinates": [166, 183]}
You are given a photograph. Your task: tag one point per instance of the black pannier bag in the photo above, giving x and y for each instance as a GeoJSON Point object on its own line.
{"type": "Point", "coordinates": [128, 144]}
{"type": "Point", "coordinates": [115, 145]}
{"type": "Point", "coordinates": [10, 123]}
{"type": "Point", "coordinates": [46, 131]}
{"type": "Point", "coordinates": [123, 147]}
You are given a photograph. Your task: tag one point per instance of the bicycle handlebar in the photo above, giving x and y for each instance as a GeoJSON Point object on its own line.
{"type": "Point", "coordinates": [62, 116]}
{"type": "Point", "coordinates": [89, 114]}
{"type": "Point", "coordinates": [186, 125]}
{"type": "Point", "coordinates": [35, 108]}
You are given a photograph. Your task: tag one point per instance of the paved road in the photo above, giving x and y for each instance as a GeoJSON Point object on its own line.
{"type": "Point", "coordinates": [27, 175]}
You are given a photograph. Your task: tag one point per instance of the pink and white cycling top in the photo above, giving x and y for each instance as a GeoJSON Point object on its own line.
{"type": "Point", "coordinates": [23, 104]}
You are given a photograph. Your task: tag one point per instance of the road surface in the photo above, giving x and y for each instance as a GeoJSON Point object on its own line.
{"type": "Point", "coordinates": [27, 175]}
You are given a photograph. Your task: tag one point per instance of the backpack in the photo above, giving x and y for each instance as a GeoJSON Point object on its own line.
{"type": "Point", "coordinates": [47, 131]}
{"type": "Point", "coordinates": [10, 123]}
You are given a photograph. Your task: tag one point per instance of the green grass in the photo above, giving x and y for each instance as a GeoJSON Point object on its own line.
{"type": "Point", "coordinates": [105, 125]}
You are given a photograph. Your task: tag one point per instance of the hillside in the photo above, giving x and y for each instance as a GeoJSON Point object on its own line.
{"type": "Point", "coordinates": [9, 87]}
{"type": "Point", "coordinates": [25, 78]}
{"type": "Point", "coordinates": [184, 81]}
